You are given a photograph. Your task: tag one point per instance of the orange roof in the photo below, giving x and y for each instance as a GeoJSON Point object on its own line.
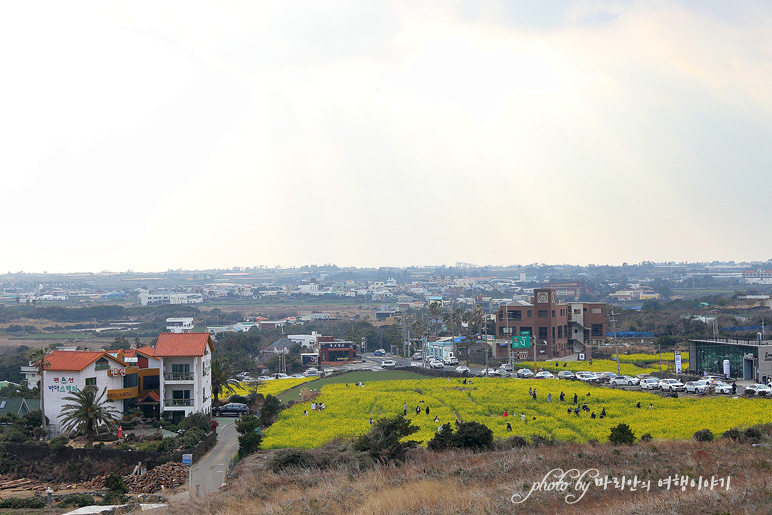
{"type": "Point", "coordinates": [75, 360]}
{"type": "Point", "coordinates": [147, 350]}
{"type": "Point", "coordinates": [182, 345]}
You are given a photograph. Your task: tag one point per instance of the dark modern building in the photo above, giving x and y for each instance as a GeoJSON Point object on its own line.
{"type": "Point", "coordinates": [747, 359]}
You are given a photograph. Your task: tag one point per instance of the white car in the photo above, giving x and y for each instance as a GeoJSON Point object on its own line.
{"type": "Point", "coordinates": [671, 385]}
{"type": "Point", "coordinates": [389, 363]}
{"type": "Point", "coordinates": [759, 389]}
{"type": "Point", "coordinates": [462, 369]}
{"type": "Point", "coordinates": [507, 367]}
{"type": "Point", "coordinates": [450, 361]}
{"type": "Point", "coordinates": [624, 380]}
{"type": "Point", "coordinates": [649, 383]}
{"type": "Point", "coordinates": [544, 375]}
{"type": "Point", "coordinates": [699, 387]}
{"type": "Point", "coordinates": [588, 377]}
{"type": "Point", "coordinates": [722, 387]}
{"type": "Point", "coordinates": [491, 373]}
{"type": "Point", "coordinates": [525, 373]}
{"type": "Point", "coordinates": [566, 374]}
{"type": "Point", "coordinates": [436, 364]}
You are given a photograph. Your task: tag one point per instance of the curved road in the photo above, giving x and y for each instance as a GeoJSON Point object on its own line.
{"type": "Point", "coordinates": [208, 474]}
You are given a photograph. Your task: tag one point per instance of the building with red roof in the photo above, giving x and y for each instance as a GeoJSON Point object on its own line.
{"type": "Point", "coordinates": [186, 381]}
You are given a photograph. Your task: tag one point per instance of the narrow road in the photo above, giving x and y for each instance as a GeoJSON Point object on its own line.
{"type": "Point", "coordinates": [208, 474]}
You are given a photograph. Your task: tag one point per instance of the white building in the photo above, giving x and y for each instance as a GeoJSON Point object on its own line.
{"type": "Point", "coordinates": [186, 379]}
{"type": "Point", "coordinates": [67, 372]}
{"type": "Point", "coordinates": [305, 340]}
{"type": "Point", "coordinates": [179, 325]}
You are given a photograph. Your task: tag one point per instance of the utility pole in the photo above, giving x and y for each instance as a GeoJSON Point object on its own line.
{"type": "Point", "coordinates": [486, 346]}
{"type": "Point", "coordinates": [616, 341]}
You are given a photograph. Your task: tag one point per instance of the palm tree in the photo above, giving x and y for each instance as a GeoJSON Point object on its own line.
{"type": "Point", "coordinates": [37, 358]}
{"type": "Point", "coordinates": [222, 370]}
{"type": "Point", "coordinates": [88, 411]}
{"type": "Point", "coordinates": [434, 310]}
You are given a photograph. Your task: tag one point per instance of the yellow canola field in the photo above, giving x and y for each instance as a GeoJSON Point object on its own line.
{"type": "Point", "coordinates": [274, 387]}
{"type": "Point", "coordinates": [349, 408]}
{"type": "Point", "coordinates": [668, 357]}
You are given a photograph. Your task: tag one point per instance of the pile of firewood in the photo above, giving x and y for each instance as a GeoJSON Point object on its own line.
{"type": "Point", "coordinates": [164, 476]}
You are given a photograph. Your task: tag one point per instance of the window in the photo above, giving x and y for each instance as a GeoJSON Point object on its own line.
{"type": "Point", "coordinates": [91, 381]}
{"type": "Point", "coordinates": [553, 334]}
{"type": "Point", "coordinates": [102, 364]}
{"type": "Point", "coordinates": [577, 311]}
{"type": "Point", "coordinates": [151, 383]}
{"type": "Point", "coordinates": [181, 368]}
{"type": "Point", "coordinates": [180, 394]}
{"type": "Point", "coordinates": [542, 334]}
{"type": "Point", "coordinates": [596, 311]}
{"type": "Point", "coordinates": [542, 313]}
{"type": "Point", "coordinates": [597, 330]}
{"type": "Point", "coordinates": [515, 315]}
{"type": "Point", "coordinates": [553, 313]}
{"type": "Point", "coordinates": [528, 314]}
{"type": "Point", "coordinates": [560, 331]}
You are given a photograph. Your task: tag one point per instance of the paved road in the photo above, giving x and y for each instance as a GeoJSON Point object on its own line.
{"type": "Point", "coordinates": [209, 472]}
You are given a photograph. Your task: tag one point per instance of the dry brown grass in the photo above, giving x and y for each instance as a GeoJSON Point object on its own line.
{"type": "Point", "coordinates": [462, 482]}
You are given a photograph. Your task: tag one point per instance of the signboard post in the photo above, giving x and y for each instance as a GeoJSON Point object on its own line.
{"type": "Point", "coordinates": [678, 362]}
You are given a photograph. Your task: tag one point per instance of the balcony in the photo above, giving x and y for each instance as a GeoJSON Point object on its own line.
{"type": "Point", "coordinates": [178, 402]}
{"type": "Point", "coordinates": [179, 376]}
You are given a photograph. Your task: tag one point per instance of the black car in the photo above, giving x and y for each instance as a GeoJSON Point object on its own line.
{"type": "Point", "coordinates": [234, 408]}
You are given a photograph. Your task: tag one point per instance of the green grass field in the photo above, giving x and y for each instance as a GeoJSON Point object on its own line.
{"type": "Point", "coordinates": [350, 378]}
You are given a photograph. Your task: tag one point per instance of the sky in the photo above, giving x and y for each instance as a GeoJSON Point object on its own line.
{"type": "Point", "coordinates": [155, 135]}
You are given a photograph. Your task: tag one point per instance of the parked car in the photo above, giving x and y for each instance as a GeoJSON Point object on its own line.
{"type": "Point", "coordinates": [711, 379]}
{"type": "Point", "coordinates": [280, 376]}
{"type": "Point", "coordinates": [544, 375]}
{"type": "Point", "coordinates": [588, 377]}
{"type": "Point", "coordinates": [232, 408]}
{"type": "Point", "coordinates": [759, 389]}
{"type": "Point", "coordinates": [389, 363]}
{"type": "Point", "coordinates": [605, 377]}
{"type": "Point", "coordinates": [622, 380]}
{"type": "Point", "coordinates": [450, 361]}
{"type": "Point", "coordinates": [380, 352]}
{"type": "Point", "coordinates": [490, 373]}
{"type": "Point", "coordinates": [418, 355]}
{"type": "Point", "coordinates": [524, 373]}
{"type": "Point", "coordinates": [672, 385]}
{"type": "Point", "coordinates": [500, 372]}
{"type": "Point", "coordinates": [311, 372]}
{"type": "Point", "coordinates": [507, 366]}
{"type": "Point", "coordinates": [722, 387]}
{"type": "Point", "coordinates": [437, 364]}
{"type": "Point", "coordinates": [566, 374]}
{"type": "Point", "coordinates": [649, 383]}
{"type": "Point", "coordinates": [699, 387]}
{"type": "Point", "coordinates": [462, 369]}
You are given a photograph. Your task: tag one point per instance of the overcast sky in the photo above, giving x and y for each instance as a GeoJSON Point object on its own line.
{"type": "Point", "coordinates": [157, 135]}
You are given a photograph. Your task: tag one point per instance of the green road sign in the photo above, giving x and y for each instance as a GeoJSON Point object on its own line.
{"type": "Point", "coordinates": [523, 341]}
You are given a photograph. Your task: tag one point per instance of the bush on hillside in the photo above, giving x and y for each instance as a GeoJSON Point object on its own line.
{"type": "Point", "coordinates": [703, 435]}
{"type": "Point", "coordinates": [383, 441]}
{"type": "Point", "coordinates": [621, 435]}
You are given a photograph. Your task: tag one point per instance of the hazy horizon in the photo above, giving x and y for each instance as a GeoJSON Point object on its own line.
{"type": "Point", "coordinates": [190, 135]}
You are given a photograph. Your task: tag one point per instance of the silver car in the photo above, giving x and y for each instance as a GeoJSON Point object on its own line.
{"type": "Point", "coordinates": [624, 380]}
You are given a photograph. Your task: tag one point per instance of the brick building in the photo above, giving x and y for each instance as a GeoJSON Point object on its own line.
{"type": "Point", "coordinates": [557, 329]}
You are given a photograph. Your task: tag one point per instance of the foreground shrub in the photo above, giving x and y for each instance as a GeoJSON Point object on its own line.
{"type": "Point", "coordinates": [646, 437]}
{"type": "Point", "coordinates": [192, 437]}
{"type": "Point", "coordinates": [621, 435]}
{"type": "Point", "coordinates": [703, 435]}
{"type": "Point", "coordinates": [733, 434]}
{"type": "Point", "coordinates": [338, 453]}
{"type": "Point", "coordinates": [76, 501]}
{"type": "Point", "coordinates": [58, 442]}
{"type": "Point", "coordinates": [383, 441]}
{"type": "Point", "coordinates": [470, 435]}
{"type": "Point", "coordinates": [23, 502]}
{"type": "Point", "coordinates": [250, 438]}
{"type": "Point", "coordinates": [197, 420]}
